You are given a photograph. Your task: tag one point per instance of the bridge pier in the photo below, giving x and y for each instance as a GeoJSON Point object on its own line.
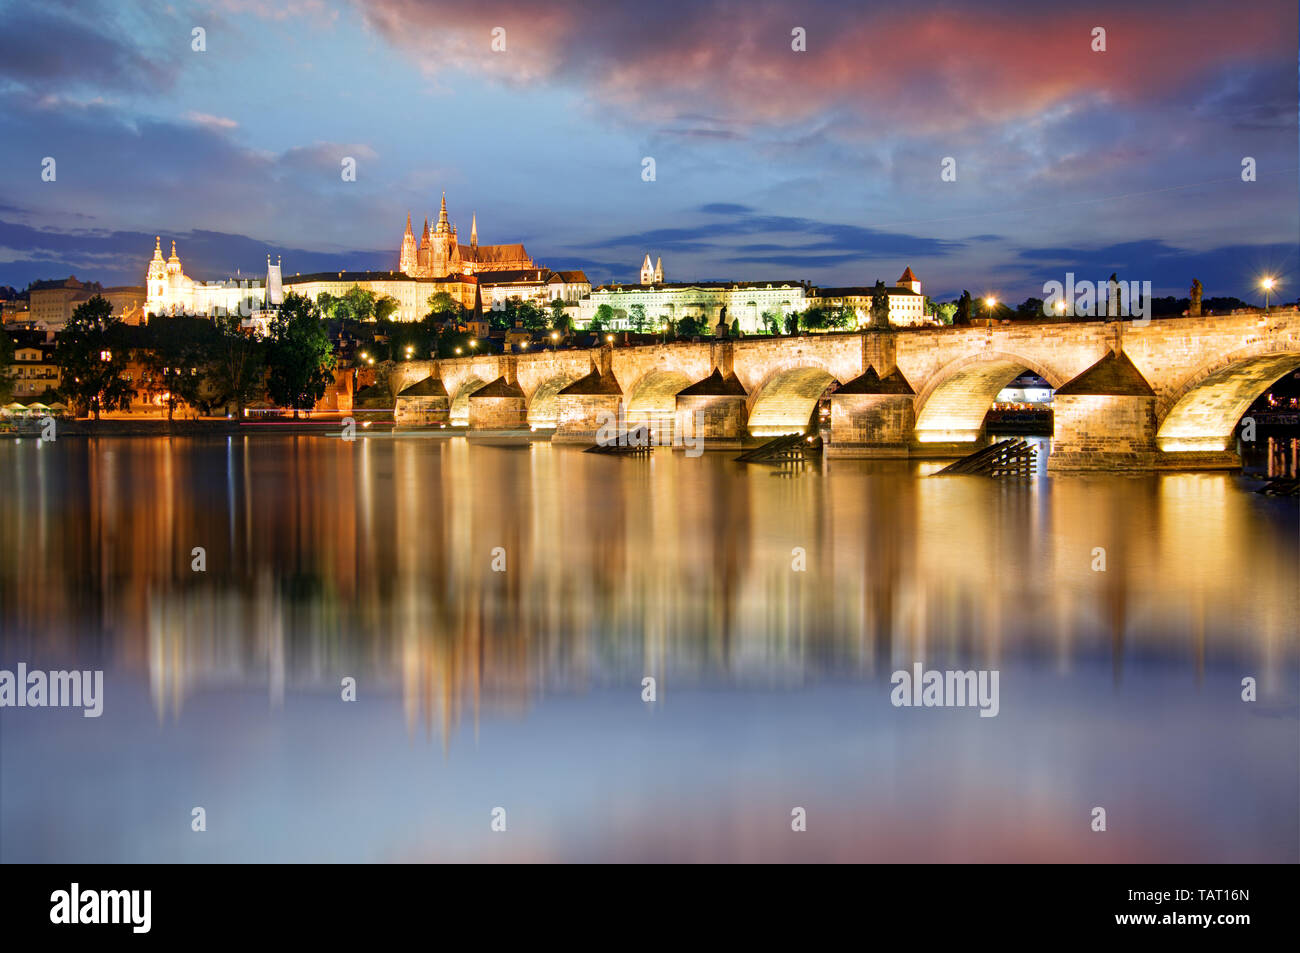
{"type": "Point", "coordinates": [872, 416]}
{"type": "Point", "coordinates": [500, 405]}
{"type": "Point", "coordinates": [712, 410]}
{"type": "Point", "coordinates": [1104, 419]}
{"type": "Point", "coordinates": [585, 406]}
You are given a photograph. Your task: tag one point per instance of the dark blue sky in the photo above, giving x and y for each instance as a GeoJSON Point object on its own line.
{"type": "Point", "coordinates": [822, 165]}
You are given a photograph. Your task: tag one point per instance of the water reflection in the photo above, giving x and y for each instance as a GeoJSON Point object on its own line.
{"type": "Point", "coordinates": [375, 560]}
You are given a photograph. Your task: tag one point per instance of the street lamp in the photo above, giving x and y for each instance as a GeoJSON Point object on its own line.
{"type": "Point", "coordinates": [609, 339]}
{"type": "Point", "coordinates": [990, 303]}
{"type": "Point", "coordinates": [555, 340]}
{"type": "Point", "coordinates": [457, 351]}
{"type": "Point", "coordinates": [1268, 282]}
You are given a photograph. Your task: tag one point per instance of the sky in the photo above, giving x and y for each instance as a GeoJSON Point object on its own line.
{"type": "Point", "coordinates": [822, 164]}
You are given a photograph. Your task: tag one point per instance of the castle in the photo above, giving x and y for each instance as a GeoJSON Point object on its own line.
{"type": "Point", "coordinates": [440, 254]}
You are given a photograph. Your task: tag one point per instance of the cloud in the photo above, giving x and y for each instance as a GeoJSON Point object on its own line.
{"type": "Point", "coordinates": [920, 68]}
{"type": "Point", "coordinates": [211, 121]}
{"type": "Point", "coordinates": [52, 44]}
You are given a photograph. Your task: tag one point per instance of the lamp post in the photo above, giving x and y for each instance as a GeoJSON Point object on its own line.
{"type": "Point", "coordinates": [989, 304]}
{"type": "Point", "coordinates": [1267, 283]}
{"type": "Point", "coordinates": [555, 340]}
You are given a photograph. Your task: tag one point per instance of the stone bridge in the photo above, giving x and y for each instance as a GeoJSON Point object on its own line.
{"type": "Point", "coordinates": [1168, 394]}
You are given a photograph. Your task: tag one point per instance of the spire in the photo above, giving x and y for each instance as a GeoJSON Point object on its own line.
{"type": "Point", "coordinates": [442, 214]}
{"type": "Point", "coordinates": [659, 270]}
{"type": "Point", "coordinates": [408, 226]}
{"type": "Point", "coordinates": [473, 230]}
{"type": "Point", "coordinates": [157, 248]}
{"type": "Point", "coordinates": [173, 257]}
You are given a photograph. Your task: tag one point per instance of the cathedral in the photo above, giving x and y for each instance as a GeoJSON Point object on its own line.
{"type": "Point", "coordinates": [440, 254]}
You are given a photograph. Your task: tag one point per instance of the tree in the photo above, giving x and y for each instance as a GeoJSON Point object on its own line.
{"type": "Point", "coordinates": [299, 355]}
{"type": "Point", "coordinates": [91, 354]}
{"type": "Point", "coordinates": [1030, 309]}
{"type": "Point", "coordinates": [691, 327]}
{"type": "Point", "coordinates": [734, 330]}
{"type": "Point", "coordinates": [443, 305]}
{"type": "Point", "coordinates": [604, 317]}
{"type": "Point", "coordinates": [530, 317]}
{"type": "Point", "coordinates": [557, 312]}
{"type": "Point", "coordinates": [792, 323]}
{"type": "Point", "coordinates": [946, 312]}
{"type": "Point", "coordinates": [637, 313]}
{"type": "Point", "coordinates": [772, 322]}
{"type": "Point", "coordinates": [385, 308]}
{"type": "Point", "coordinates": [173, 350]}
{"type": "Point", "coordinates": [563, 323]}
{"type": "Point", "coordinates": [235, 361]}
{"type": "Point", "coordinates": [360, 303]}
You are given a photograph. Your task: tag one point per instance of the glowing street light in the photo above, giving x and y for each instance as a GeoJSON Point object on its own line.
{"type": "Point", "coordinates": [1268, 283]}
{"type": "Point", "coordinates": [609, 339]}
{"type": "Point", "coordinates": [457, 350]}
{"type": "Point", "coordinates": [555, 340]}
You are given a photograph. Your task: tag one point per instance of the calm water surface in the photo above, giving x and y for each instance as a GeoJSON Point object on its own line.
{"type": "Point", "coordinates": [522, 689]}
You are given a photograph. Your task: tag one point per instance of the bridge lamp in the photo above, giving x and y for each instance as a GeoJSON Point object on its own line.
{"type": "Point", "coordinates": [609, 339]}
{"type": "Point", "coordinates": [370, 360]}
{"type": "Point", "coordinates": [458, 350]}
{"type": "Point", "coordinates": [1268, 283]}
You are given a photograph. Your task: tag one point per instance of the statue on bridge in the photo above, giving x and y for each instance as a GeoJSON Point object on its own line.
{"type": "Point", "coordinates": [879, 307]}
{"type": "Point", "coordinates": [1194, 307]}
{"type": "Point", "coordinates": [962, 317]}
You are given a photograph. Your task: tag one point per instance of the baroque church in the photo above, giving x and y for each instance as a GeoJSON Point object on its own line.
{"type": "Point", "coordinates": [440, 254]}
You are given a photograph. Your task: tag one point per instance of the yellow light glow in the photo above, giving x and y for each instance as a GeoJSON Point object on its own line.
{"type": "Point", "coordinates": [1268, 283]}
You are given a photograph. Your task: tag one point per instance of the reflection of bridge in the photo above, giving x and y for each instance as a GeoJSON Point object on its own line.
{"type": "Point", "coordinates": [1165, 395]}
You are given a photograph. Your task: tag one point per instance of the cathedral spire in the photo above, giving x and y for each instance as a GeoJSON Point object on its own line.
{"type": "Point", "coordinates": [157, 248]}
{"type": "Point", "coordinates": [442, 214]}
{"type": "Point", "coordinates": [408, 225]}
{"type": "Point", "coordinates": [473, 231]}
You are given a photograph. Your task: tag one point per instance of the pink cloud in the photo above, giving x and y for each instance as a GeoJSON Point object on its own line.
{"type": "Point", "coordinates": [931, 69]}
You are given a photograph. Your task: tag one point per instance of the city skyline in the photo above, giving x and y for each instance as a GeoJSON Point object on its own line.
{"type": "Point", "coordinates": [1067, 159]}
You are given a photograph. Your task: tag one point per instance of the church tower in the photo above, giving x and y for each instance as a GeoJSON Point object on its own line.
{"type": "Point", "coordinates": [408, 263]}
{"type": "Point", "coordinates": [473, 231]}
{"type": "Point", "coordinates": [155, 278]}
{"type": "Point", "coordinates": [909, 280]}
{"type": "Point", "coordinates": [659, 270]}
{"type": "Point", "coordinates": [647, 273]}
{"type": "Point", "coordinates": [444, 243]}
{"type": "Point", "coordinates": [422, 256]}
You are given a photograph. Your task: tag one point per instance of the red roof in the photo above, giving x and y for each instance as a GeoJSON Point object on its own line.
{"type": "Point", "coordinates": [907, 275]}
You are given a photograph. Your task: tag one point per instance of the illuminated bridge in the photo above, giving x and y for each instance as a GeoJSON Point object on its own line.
{"type": "Point", "coordinates": [1165, 395]}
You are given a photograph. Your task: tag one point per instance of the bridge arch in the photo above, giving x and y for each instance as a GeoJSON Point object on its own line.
{"type": "Point", "coordinates": [460, 399]}
{"type": "Point", "coordinates": [1203, 411]}
{"type": "Point", "coordinates": [952, 405]}
{"type": "Point", "coordinates": [785, 400]}
{"type": "Point", "coordinates": [544, 404]}
{"type": "Point", "coordinates": [654, 396]}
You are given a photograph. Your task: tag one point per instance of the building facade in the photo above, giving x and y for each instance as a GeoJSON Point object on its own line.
{"type": "Point", "coordinates": [906, 302]}
{"type": "Point", "coordinates": [411, 294]}
{"type": "Point", "coordinates": [440, 254]}
{"type": "Point", "coordinates": [169, 291]}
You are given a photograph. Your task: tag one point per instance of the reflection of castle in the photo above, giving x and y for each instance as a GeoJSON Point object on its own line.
{"type": "Point", "coordinates": [439, 254]}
